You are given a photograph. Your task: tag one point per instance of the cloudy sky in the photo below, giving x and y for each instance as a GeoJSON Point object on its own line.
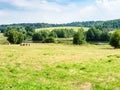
{"type": "Point", "coordinates": [57, 11]}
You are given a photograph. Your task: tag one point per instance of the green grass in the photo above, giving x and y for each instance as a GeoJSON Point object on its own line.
{"type": "Point", "coordinates": [3, 39]}
{"type": "Point", "coordinates": [59, 67]}
{"type": "Point", "coordinates": [51, 28]}
{"type": "Point", "coordinates": [64, 40]}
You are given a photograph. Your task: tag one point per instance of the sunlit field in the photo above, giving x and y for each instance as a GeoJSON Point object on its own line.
{"type": "Point", "coordinates": [59, 44]}
{"type": "Point", "coordinates": [59, 67]}
{"type": "Point", "coordinates": [52, 28]}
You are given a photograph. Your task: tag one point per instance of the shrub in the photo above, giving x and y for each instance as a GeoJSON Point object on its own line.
{"type": "Point", "coordinates": [105, 36]}
{"type": "Point", "coordinates": [115, 39]}
{"type": "Point", "coordinates": [15, 37]}
{"type": "Point", "coordinates": [37, 37]}
{"type": "Point", "coordinates": [79, 37]}
{"type": "Point", "coordinates": [40, 36]}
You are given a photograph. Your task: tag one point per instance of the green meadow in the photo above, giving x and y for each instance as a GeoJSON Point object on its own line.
{"type": "Point", "coordinates": [59, 67]}
{"type": "Point", "coordinates": [59, 44]}
{"type": "Point", "coordinates": [67, 27]}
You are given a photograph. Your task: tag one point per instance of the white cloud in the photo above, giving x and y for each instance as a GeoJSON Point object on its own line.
{"type": "Point", "coordinates": [53, 12]}
{"type": "Point", "coordinates": [108, 4]}
{"type": "Point", "coordinates": [3, 13]}
{"type": "Point", "coordinates": [109, 9]}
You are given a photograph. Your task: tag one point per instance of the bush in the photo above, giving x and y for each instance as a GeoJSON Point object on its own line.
{"type": "Point", "coordinates": [40, 36]}
{"type": "Point", "coordinates": [115, 39]}
{"type": "Point", "coordinates": [44, 36]}
{"type": "Point", "coordinates": [37, 37]}
{"type": "Point", "coordinates": [49, 40]}
{"type": "Point", "coordinates": [105, 36]}
{"type": "Point", "coordinates": [79, 37]}
{"type": "Point", "coordinates": [15, 37]}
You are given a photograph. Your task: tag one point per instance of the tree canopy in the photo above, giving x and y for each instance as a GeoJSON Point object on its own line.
{"type": "Point", "coordinates": [94, 34]}
{"type": "Point", "coordinates": [14, 36]}
{"type": "Point", "coordinates": [104, 25]}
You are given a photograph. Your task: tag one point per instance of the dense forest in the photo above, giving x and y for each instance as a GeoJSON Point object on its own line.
{"type": "Point", "coordinates": [104, 25]}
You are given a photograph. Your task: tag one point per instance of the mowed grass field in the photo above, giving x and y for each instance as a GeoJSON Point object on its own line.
{"type": "Point", "coordinates": [59, 67]}
{"type": "Point", "coordinates": [52, 28]}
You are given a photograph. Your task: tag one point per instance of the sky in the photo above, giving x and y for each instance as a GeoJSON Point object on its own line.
{"type": "Point", "coordinates": [57, 11]}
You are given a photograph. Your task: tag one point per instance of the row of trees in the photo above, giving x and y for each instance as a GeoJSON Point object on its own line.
{"type": "Point", "coordinates": [64, 33]}
{"type": "Point", "coordinates": [18, 35]}
{"type": "Point", "coordinates": [98, 24]}
{"type": "Point", "coordinates": [96, 35]}
{"type": "Point", "coordinates": [41, 36]}
{"type": "Point", "coordinates": [44, 36]}
{"type": "Point", "coordinates": [49, 36]}
{"type": "Point", "coordinates": [92, 35]}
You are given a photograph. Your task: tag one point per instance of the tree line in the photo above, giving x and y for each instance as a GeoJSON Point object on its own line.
{"type": "Point", "coordinates": [104, 25]}
{"type": "Point", "coordinates": [19, 34]}
{"type": "Point", "coordinates": [96, 35]}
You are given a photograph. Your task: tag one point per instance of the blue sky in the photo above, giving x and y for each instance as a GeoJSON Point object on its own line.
{"type": "Point", "coordinates": [64, 2]}
{"type": "Point", "coordinates": [57, 11]}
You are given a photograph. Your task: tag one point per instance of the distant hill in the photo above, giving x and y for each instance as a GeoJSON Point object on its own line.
{"type": "Point", "coordinates": [98, 24]}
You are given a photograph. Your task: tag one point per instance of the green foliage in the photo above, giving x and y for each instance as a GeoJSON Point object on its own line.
{"type": "Point", "coordinates": [30, 30]}
{"type": "Point", "coordinates": [3, 39]}
{"type": "Point", "coordinates": [65, 40]}
{"type": "Point", "coordinates": [115, 39]}
{"type": "Point", "coordinates": [110, 24]}
{"type": "Point", "coordinates": [53, 34]}
{"type": "Point", "coordinates": [37, 37]}
{"type": "Point", "coordinates": [90, 35]}
{"type": "Point", "coordinates": [44, 36]}
{"type": "Point", "coordinates": [105, 36]}
{"type": "Point", "coordinates": [79, 37]}
{"type": "Point", "coordinates": [14, 36]}
{"type": "Point", "coordinates": [17, 28]}
{"type": "Point", "coordinates": [2, 29]}
{"type": "Point", "coordinates": [21, 29]}
{"type": "Point", "coordinates": [48, 36]}
{"type": "Point", "coordinates": [49, 40]}
{"type": "Point", "coordinates": [93, 34]}
{"type": "Point", "coordinates": [64, 33]}
{"type": "Point", "coordinates": [100, 87]}
{"type": "Point", "coordinates": [40, 36]}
